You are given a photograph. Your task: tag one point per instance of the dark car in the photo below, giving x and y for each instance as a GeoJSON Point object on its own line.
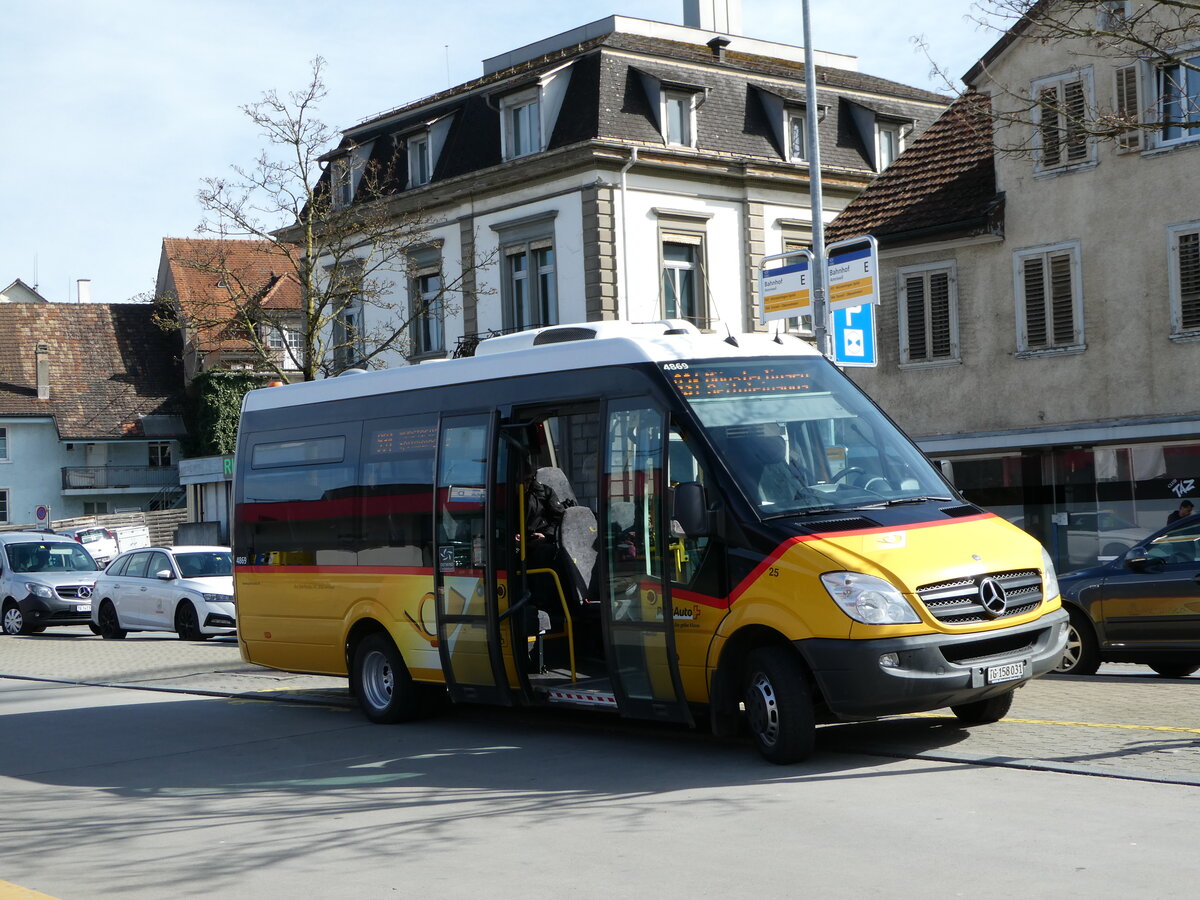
{"type": "Point", "coordinates": [1142, 607]}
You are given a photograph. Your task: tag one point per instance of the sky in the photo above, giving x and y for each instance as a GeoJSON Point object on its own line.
{"type": "Point", "coordinates": [115, 110]}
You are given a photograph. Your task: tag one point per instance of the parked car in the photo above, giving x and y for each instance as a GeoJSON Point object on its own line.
{"type": "Point", "coordinates": [101, 543]}
{"type": "Point", "coordinates": [1142, 607]}
{"type": "Point", "coordinates": [45, 579]}
{"type": "Point", "coordinates": [188, 590]}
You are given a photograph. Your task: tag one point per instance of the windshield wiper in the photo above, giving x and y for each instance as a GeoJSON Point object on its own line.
{"type": "Point", "coordinates": [899, 501]}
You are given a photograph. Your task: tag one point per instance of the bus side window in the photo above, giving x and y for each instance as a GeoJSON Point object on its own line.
{"type": "Point", "coordinates": [686, 551]}
{"type": "Point", "coordinates": [397, 501]}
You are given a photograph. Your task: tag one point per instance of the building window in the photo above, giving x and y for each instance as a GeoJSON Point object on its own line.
{"type": "Point", "coordinates": [1185, 278]}
{"type": "Point", "coordinates": [928, 311]}
{"type": "Point", "coordinates": [160, 454]}
{"type": "Point", "coordinates": [1179, 100]}
{"type": "Point", "coordinates": [95, 507]}
{"type": "Point", "coordinates": [529, 271]}
{"type": "Point", "coordinates": [428, 337]}
{"type": "Point", "coordinates": [682, 279]}
{"type": "Point", "coordinates": [531, 285]}
{"type": "Point", "coordinates": [420, 164]}
{"type": "Point", "coordinates": [677, 118]}
{"type": "Point", "coordinates": [1049, 299]}
{"type": "Point", "coordinates": [1112, 14]}
{"type": "Point", "coordinates": [342, 181]}
{"type": "Point", "coordinates": [286, 344]}
{"type": "Point", "coordinates": [797, 137]}
{"type": "Point", "coordinates": [888, 138]}
{"type": "Point", "coordinates": [3, 443]}
{"type": "Point", "coordinates": [348, 345]}
{"type": "Point", "coordinates": [4, 506]}
{"type": "Point", "coordinates": [1060, 111]}
{"type": "Point", "coordinates": [521, 125]}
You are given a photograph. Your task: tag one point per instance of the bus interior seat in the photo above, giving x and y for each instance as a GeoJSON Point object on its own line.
{"type": "Point", "coordinates": [578, 539]}
{"type": "Point", "coordinates": [769, 474]}
{"type": "Point", "coordinates": [556, 479]}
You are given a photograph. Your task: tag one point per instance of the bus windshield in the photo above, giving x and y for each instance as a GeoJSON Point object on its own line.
{"type": "Point", "coordinates": [799, 438]}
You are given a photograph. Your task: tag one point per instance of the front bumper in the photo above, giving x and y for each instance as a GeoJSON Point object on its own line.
{"type": "Point", "coordinates": [42, 612]}
{"type": "Point", "coordinates": [934, 671]}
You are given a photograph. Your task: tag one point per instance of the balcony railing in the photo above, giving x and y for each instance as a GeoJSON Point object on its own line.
{"type": "Point", "coordinates": [105, 478]}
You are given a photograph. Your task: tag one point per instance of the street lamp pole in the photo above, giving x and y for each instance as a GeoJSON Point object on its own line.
{"type": "Point", "coordinates": [816, 203]}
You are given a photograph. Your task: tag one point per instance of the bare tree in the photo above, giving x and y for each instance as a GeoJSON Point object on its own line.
{"type": "Point", "coordinates": [326, 218]}
{"type": "Point", "coordinates": [1155, 37]}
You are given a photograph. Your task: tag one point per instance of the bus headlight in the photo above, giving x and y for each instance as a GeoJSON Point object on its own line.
{"type": "Point", "coordinates": [868, 599]}
{"type": "Point", "coordinates": [1049, 577]}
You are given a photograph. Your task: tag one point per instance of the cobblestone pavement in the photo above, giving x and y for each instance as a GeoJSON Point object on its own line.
{"type": "Point", "coordinates": [1124, 722]}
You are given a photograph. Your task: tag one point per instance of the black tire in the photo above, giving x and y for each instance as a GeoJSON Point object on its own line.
{"type": "Point", "coordinates": [1173, 670]}
{"type": "Point", "coordinates": [982, 712]}
{"type": "Point", "coordinates": [34, 629]}
{"type": "Point", "coordinates": [1080, 657]}
{"type": "Point", "coordinates": [110, 623]}
{"type": "Point", "coordinates": [779, 706]}
{"type": "Point", "coordinates": [1114, 550]}
{"type": "Point", "coordinates": [187, 623]}
{"type": "Point", "coordinates": [14, 620]}
{"type": "Point", "coordinates": [380, 680]}
{"type": "Point", "coordinates": [93, 627]}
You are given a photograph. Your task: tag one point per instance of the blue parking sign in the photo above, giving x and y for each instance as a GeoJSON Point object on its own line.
{"type": "Point", "coordinates": [854, 336]}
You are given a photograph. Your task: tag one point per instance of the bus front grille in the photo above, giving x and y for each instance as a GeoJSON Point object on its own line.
{"type": "Point", "coordinates": [960, 602]}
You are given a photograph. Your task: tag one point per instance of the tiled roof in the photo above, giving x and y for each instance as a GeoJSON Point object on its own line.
{"type": "Point", "coordinates": [110, 364]}
{"type": "Point", "coordinates": [194, 266]}
{"type": "Point", "coordinates": [946, 180]}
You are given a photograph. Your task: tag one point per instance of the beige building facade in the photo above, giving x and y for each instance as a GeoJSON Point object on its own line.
{"type": "Point", "coordinates": [1042, 328]}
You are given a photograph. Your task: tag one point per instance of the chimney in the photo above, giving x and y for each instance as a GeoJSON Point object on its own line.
{"type": "Point", "coordinates": [42, 353]}
{"type": "Point", "coordinates": [722, 16]}
{"type": "Point", "coordinates": [83, 290]}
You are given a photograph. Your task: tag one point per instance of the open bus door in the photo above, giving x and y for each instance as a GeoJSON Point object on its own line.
{"type": "Point", "coordinates": [637, 614]}
{"type": "Point", "coordinates": [467, 619]}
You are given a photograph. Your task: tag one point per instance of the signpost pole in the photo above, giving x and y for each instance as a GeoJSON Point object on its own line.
{"type": "Point", "coordinates": [816, 201]}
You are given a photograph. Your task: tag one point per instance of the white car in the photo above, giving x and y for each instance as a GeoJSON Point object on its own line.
{"type": "Point", "coordinates": [101, 543]}
{"type": "Point", "coordinates": [188, 590]}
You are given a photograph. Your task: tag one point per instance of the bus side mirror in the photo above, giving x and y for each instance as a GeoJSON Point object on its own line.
{"type": "Point", "coordinates": [1140, 562]}
{"type": "Point", "coordinates": [946, 468]}
{"type": "Point", "coordinates": [689, 509]}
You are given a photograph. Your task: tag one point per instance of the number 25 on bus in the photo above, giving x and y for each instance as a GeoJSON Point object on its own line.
{"type": "Point", "coordinates": [641, 519]}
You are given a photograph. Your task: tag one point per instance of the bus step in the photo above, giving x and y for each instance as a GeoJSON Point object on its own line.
{"type": "Point", "coordinates": [574, 696]}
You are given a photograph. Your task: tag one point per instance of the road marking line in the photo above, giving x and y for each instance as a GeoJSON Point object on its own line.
{"type": "Point", "coordinates": [1172, 728]}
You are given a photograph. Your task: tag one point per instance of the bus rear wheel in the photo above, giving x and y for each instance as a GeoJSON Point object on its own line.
{"type": "Point", "coordinates": [380, 681]}
{"type": "Point", "coordinates": [779, 705]}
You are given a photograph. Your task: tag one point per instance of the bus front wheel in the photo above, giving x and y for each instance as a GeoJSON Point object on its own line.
{"type": "Point", "coordinates": [779, 705]}
{"type": "Point", "coordinates": [380, 681]}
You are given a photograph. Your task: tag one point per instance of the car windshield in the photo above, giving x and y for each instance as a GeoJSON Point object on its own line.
{"type": "Point", "coordinates": [44, 556]}
{"type": "Point", "coordinates": [204, 565]}
{"type": "Point", "coordinates": [799, 437]}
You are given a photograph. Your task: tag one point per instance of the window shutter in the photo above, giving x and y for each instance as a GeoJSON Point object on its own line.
{"type": "Point", "coordinates": [1033, 271]}
{"type": "Point", "coordinates": [1189, 281]}
{"type": "Point", "coordinates": [1128, 108]}
{"type": "Point", "coordinates": [1075, 109]}
{"type": "Point", "coordinates": [914, 296]}
{"type": "Point", "coordinates": [1048, 126]}
{"type": "Point", "coordinates": [1062, 301]}
{"type": "Point", "coordinates": [939, 315]}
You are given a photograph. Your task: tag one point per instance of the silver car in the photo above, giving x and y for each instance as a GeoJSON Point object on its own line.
{"type": "Point", "coordinates": [188, 590]}
{"type": "Point", "coordinates": [45, 579]}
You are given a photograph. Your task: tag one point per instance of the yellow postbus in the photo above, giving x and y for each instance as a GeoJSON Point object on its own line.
{"type": "Point", "coordinates": [735, 532]}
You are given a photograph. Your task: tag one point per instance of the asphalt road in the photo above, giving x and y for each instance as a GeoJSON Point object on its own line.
{"type": "Point", "coordinates": [152, 768]}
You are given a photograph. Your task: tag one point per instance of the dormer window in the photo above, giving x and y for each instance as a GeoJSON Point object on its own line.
{"type": "Point", "coordinates": [521, 124]}
{"type": "Point", "coordinates": [797, 137]}
{"type": "Point", "coordinates": [342, 182]}
{"type": "Point", "coordinates": [888, 144]}
{"type": "Point", "coordinates": [420, 163]}
{"type": "Point", "coordinates": [678, 118]}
